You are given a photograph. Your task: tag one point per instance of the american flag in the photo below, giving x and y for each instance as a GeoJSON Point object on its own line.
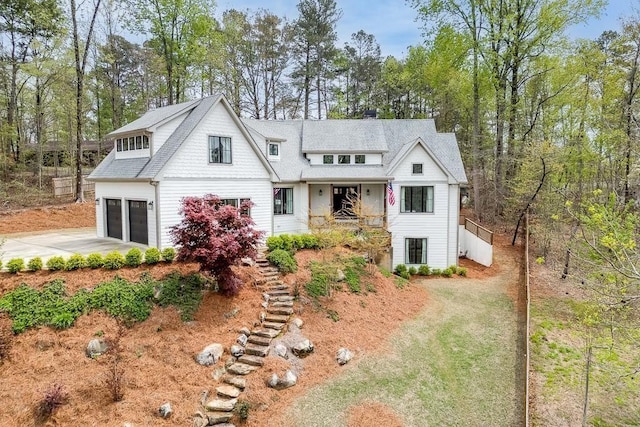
{"type": "Point", "coordinates": [390, 196]}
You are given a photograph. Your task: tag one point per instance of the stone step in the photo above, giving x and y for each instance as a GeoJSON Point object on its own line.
{"type": "Point", "coordinates": [241, 369]}
{"type": "Point", "coordinates": [281, 298]}
{"type": "Point", "coordinates": [277, 286]}
{"type": "Point", "coordinates": [276, 318]}
{"type": "Point", "coordinates": [280, 310]}
{"type": "Point", "coordinates": [256, 350]}
{"type": "Point", "coordinates": [221, 405]}
{"type": "Point", "coordinates": [268, 269]}
{"type": "Point", "coordinates": [217, 418]}
{"type": "Point", "coordinates": [228, 391]}
{"type": "Point", "coordinates": [239, 382]}
{"type": "Point", "coordinates": [251, 360]}
{"type": "Point", "coordinates": [257, 339]}
{"type": "Point", "coordinates": [273, 325]}
{"type": "Point", "coordinates": [266, 332]}
{"type": "Point", "coordinates": [282, 304]}
{"type": "Point", "coordinates": [269, 273]}
{"type": "Point", "coordinates": [277, 292]}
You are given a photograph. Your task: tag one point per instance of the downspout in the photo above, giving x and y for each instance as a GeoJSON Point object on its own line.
{"type": "Point", "coordinates": [157, 212]}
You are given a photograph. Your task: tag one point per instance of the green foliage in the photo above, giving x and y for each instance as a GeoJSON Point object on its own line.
{"type": "Point", "coordinates": [185, 293]}
{"type": "Point", "coordinates": [113, 261]}
{"type": "Point", "coordinates": [413, 271]}
{"type": "Point", "coordinates": [447, 272]}
{"type": "Point", "coordinates": [95, 260]}
{"type": "Point", "coordinates": [152, 256]}
{"type": "Point", "coordinates": [56, 263]}
{"type": "Point", "coordinates": [424, 270]}
{"type": "Point", "coordinates": [400, 268]}
{"type": "Point", "coordinates": [0, 264]}
{"type": "Point", "coordinates": [401, 282]}
{"type": "Point", "coordinates": [283, 260]}
{"type": "Point", "coordinates": [462, 271]}
{"type": "Point", "coordinates": [309, 241]}
{"type": "Point", "coordinates": [15, 265]}
{"type": "Point", "coordinates": [436, 272]}
{"type": "Point", "coordinates": [320, 280]}
{"type": "Point", "coordinates": [292, 242]}
{"type": "Point", "coordinates": [168, 254]}
{"type": "Point", "coordinates": [242, 410]}
{"type": "Point", "coordinates": [122, 299]}
{"type": "Point", "coordinates": [35, 264]}
{"type": "Point", "coordinates": [75, 262]}
{"type": "Point", "coordinates": [385, 273]}
{"type": "Point", "coordinates": [133, 258]}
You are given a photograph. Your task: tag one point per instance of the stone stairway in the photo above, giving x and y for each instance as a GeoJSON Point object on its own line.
{"type": "Point", "coordinates": [278, 308]}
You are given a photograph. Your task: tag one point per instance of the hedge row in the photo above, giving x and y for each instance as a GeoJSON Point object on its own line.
{"type": "Point", "coordinates": [112, 261]}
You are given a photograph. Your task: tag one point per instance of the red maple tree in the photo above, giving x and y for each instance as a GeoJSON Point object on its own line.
{"type": "Point", "coordinates": [216, 236]}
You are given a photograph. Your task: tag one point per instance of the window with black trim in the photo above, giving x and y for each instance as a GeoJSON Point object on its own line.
{"type": "Point", "coordinates": [416, 168]}
{"type": "Point", "coordinates": [274, 150]}
{"type": "Point", "coordinates": [282, 201]}
{"type": "Point", "coordinates": [360, 160]}
{"type": "Point", "coordinates": [416, 199]}
{"type": "Point", "coordinates": [327, 159]}
{"type": "Point", "coordinates": [237, 203]}
{"type": "Point", "coordinates": [219, 149]}
{"type": "Point", "coordinates": [138, 142]}
{"type": "Point", "coordinates": [415, 251]}
{"type": "Point", "coordinates": [344, 159]}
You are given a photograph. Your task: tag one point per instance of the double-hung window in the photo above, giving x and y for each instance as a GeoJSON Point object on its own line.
{"type": "Point", "coordinates": [282, 201]}
{"type": "Point", "coordinates": [219, 149]}
{"type": "Point", "coordinates": [417, 199]}
{"type": "Point", "coordinates": [415, 251]}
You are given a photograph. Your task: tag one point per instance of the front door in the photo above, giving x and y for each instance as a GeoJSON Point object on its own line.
{"type": "Point", "coordinates": [114, 218]}
{"type": "Point", "coordinates": [343, 197]}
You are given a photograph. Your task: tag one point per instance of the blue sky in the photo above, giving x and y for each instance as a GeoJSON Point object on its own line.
{"type": "Point", "coordinates": [393, 22]}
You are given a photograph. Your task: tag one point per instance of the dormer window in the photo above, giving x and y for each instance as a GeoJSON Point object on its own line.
{"type": "Point", "coordinates": [416, 168]}
{"type": "Point", "coordinates": [360, 159]}
{"type": "Point", "coordinates": [132, 143]}
{"type": "Point", "coordinates": [274, 150]}
{"type": "Point", "coordinates": [327, 159]}
{"type": "Point", "coordinates": [344, 159]}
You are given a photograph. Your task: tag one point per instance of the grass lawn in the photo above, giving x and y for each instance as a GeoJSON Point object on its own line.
{"type": "Point", "coordinates": [453, 365]}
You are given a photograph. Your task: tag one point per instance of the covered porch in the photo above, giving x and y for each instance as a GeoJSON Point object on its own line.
{"type": "Point", "coordinates": [357, 203]}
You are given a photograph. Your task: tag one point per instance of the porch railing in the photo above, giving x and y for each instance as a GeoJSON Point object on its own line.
{"type": "Point", "coordinates": [375, 221]}
{"type": "Point", "coordinates": [479, 231]}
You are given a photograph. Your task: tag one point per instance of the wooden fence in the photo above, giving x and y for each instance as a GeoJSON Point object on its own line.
{"type": "Point", "coordinates": [479, 231]}
{"type": "Point", "coordinates": [66, 186]}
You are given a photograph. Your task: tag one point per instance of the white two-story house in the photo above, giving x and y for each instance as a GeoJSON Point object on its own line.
{"type": "Point", "coordinates": [406, 175]}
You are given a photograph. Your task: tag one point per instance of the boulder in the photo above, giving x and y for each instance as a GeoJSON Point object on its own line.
{"type": "Point", "coordinates": [303, 348]}
{"type": "Point", "coordinates": [281, 350]}
{"type": "Point", "coordinates": [96, 347]}
{"type": "Point", "coordinates": [165, 410]}
{"type": "Point", "coordinates": [288, 380]}
{"type": "Point", "coordinates": [210, 354]}
{"type": "Point", "coordinates": [343, 356]}
{"type": "Point", "coordinates": [244, 331]}
{"type": "Point", "coordinates": [340, 275]}
{"type": "Point", "coordinates": [221, 405]}
{"type": "Point", "coordinates": [297, 322]}
{"type": "Point", "coordinates": [242, 339]}
{"type": "Point", "coordinates": [237, 350]}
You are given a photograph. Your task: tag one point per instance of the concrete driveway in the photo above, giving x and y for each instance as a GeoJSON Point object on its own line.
{"type": "Point", "coordinates": [64, 243]}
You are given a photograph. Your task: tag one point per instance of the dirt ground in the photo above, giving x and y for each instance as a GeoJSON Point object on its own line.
{"type": "Point", "coordinates": [159, 353]}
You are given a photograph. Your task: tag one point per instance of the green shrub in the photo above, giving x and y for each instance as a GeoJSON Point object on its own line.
{"type": "Point", "coordinates": [453, 268]}
{"type": "Point", "coordinates": [242, 410]}
{"type": "Point", "coordinates": [352, 277]}
{"type": "Point", "coordinates": [424, 270]}
{"type": "Point", "coordinates": [95, 260]}
{"type": "Point", "coordinates": [56, 263]}
{"type": "Point", "coordinates": [35, 264]}
{"type": "Point", "coordinates": [168, 254]}
{"type": "Point", "coordinates": [113, 260]}
{"type": "Point", "coordinates": [15, 265]}
{"type": "Point", "coordinates": [462, 271]}
{"type": "Point", "coordinates": [75, 262]}
{"type": "Point", "coordinates": [320, 280]}
{"type": "Point", "coordinates": [309, 241]}
{"type": "Point", "coordinates": [400, 269]}
{"type": "Point", "coordinates": [133, 258]}
{"type": "Point", "coordinates": [385, 273]}
{"type": "Point", "coordinates": [436, 271]}
{"type": "Point", "coordinates": [283, 260]}
{"type": "Point", "coordinates": [152, 256]}
{"type": "Point", "coordinates": [184, 293]}
{"type": "Point", "coordinates": [128, 301]}
{"type": "Point", "coordinates": [273, 243]}
{"type": "Point", "coordinates": [413, 271]}
{"type": "Point", "coordinates": [447, 272]}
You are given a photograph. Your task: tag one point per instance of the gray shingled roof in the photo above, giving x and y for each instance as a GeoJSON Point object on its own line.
{"type": "Point", "coordinates": [152, 117]}
{"type": "Point", "coordinates": [113, 169]}
{"type": "Point", "coordinates": [356, 136]}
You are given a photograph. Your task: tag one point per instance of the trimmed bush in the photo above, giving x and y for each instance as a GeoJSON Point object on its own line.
{"type": "Point", "coordinates": [184, 293]}
{"type": "Point", "coordinates": [95, 260]}
{"type": "Point", "coordinates": [168, 254]}
{"type": "Point", "coordinates": [56, 263]}
{"type": "Point", "coordinates": [447, 272]}
{"type": "Point", "coordinates": [113, 261]}
{"type": "Point", "coordinates": [309, 241]}
{"type": "Point", "coordinates": [413, 271]}
{"type": "Point", "coordinates": [152, 256]}
{"type": "Point", "coordinates": [133, 258]}
{"type": "Point", "coordinates": [402, 271]}
{"type": "Point", "coordinates": [436, 272]}
{"type": "Point", "coordinates": [15, 265]}
{"type": "Point", "coordinates": [35, 264]}
{"type": "Point", "coordinates": [76, 262]}
{"type": "Point", "coordinates": [462, 272]}
{"type": "Point", "coordinates": [283, 260]}
{"type": "Point", "coordinates": [424, 270]}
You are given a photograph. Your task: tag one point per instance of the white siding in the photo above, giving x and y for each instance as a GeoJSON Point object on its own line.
{"type": "Point", "coordinates": [132, 154]}
{"type": "Point", "coordinates": [296, 223]}
{"type": "Point", "coordinates": [172, 192]}
{"type": "Point", "coordinates": [432, 226]}
{"type": "Point", "coordinates": [454, 219]}
{"type": "Point", "coordinates": [192, 159]}
{"type": "Point", "coordinates": [163, 132]}
{"type": "Point", "coordinates": [140, 191]}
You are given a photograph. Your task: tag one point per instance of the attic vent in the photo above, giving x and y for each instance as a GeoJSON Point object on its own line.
{"type": "Point", "coordinates": [370, 114]}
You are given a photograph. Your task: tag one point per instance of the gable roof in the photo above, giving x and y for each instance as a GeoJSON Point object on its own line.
{"type": "Point", "coordinates": [148, 168]}
{"type": "Point", "coordinates": [152, 118]}
{"type": "Point", "coordinates": [356, 136]}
